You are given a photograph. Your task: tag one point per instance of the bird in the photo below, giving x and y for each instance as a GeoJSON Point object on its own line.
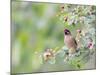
{"type": "Point", "coordinates": [70, 42]}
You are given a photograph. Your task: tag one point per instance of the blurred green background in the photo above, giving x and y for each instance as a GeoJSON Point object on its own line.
{"type": "Point", "coordinates": [35, 28]}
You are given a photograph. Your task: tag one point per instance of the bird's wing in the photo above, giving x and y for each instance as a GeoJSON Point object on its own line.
{"type": "Point", "coordinates": [75, 41]}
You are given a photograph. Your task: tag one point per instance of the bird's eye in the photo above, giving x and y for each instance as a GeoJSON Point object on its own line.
{"type": "Point", "coordinates": [66, 33]}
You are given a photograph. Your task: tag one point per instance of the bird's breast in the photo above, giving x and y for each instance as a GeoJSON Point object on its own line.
{"type": "Point", "coordinates": [69, 42]}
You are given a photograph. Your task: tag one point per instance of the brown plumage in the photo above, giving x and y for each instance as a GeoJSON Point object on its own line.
{"type": "Point", "coordinates": [70, 42]}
